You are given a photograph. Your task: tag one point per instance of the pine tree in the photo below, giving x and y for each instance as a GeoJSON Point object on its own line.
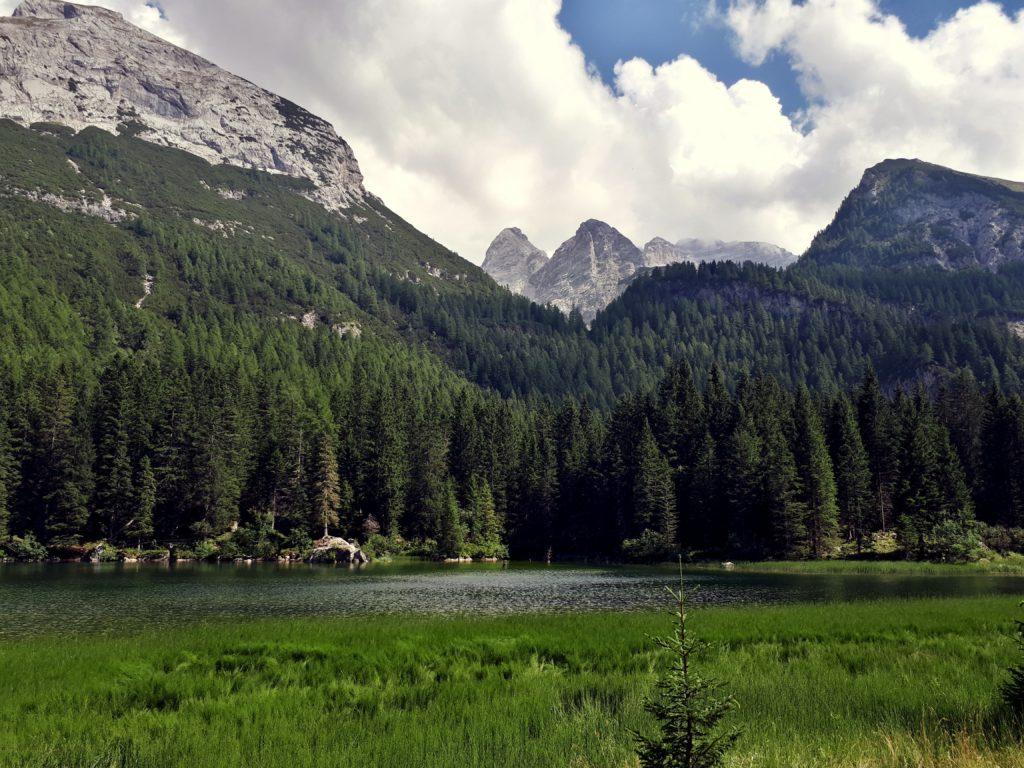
{"type": "Point", "coordinates": [935, 515]}
{"type": "Point", "coordinates": [654, 492]}
{"type": "Point", "coordinates": [61, 465]}
{"type": "Point", "coordinates": [735, 523]}
{"type": "Point", "coordinates": [451, 534]}
{"type": "Point", "coordinates": [7, 472]}
{"type": "Point", "coordinates": [688, 706]}
{"type": "Point", "coordinates": [116, 499]}
{"type": "Point", "coordinates": [852, 472]}
{"type": "Point", "coordinates": [327, 494]}
{"type": "Point", "coordinates": [142, 530]}
{"type": "Point", "coordinates": [485, 530]}
{"type": "Point", "coordinates": [878, 435]}
{"type": "Point", "coordinates": [817, 481]}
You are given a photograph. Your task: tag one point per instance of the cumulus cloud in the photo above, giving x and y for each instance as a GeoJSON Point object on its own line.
{"type": "Point", "coordinates": [468, 116]}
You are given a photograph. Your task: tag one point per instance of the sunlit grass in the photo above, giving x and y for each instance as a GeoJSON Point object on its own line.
{"type": "Point", "coordinates": [888, 683]}
{"type": "Point", "coordinates": [1012, 565]}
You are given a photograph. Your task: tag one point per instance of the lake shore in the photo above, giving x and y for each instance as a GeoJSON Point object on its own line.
{"type": "Point", "coordinates": [887, 683]}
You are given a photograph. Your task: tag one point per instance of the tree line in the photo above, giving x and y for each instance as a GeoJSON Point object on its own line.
{"type": "Point", "coordinates": [200, 448]}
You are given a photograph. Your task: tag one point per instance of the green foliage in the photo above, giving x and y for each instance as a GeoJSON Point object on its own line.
{"type": "Point", "coordinates": [1013, 688]}
{"type": "Point", "coordinates": [688, 706]}
{"type": "Point", "coordinates": [212, 406]}
{"type": "Point", "coordinates": [816, 684]}
{"type": "Point", "coordinates": [24, 549]}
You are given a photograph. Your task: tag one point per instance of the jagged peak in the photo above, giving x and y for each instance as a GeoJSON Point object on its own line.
{"type": "Point", "coordinates": [55, 9]}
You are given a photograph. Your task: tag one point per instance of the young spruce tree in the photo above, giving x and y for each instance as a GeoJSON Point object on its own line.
{"type": "Point", "coordinates": [688, 706]}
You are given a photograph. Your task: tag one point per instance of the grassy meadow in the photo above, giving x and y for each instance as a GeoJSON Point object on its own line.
{"type": "Point", "coordinates": [1007, 565]}
{"type": "Point", "coordinates": [889, 683]}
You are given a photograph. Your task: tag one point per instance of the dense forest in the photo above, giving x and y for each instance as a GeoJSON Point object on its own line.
{"type": "Point", "coordinates": [293, 371]}
{"type": "Point", "coordinates": [171, 447]}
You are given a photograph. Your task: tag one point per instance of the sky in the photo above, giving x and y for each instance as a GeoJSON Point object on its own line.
{"type": "Point", "coordinates": [730, 119]}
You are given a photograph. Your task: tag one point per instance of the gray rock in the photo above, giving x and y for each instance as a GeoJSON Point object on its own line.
{"type": "Point", "coordinates": [908, 213]}
{"type": "Point", "coordinates": [587, 271]}
{"type": "Point", "coordinates": [511, 259]}
{"type": "Point", "coordinates": [697, 250]}
{"type": "Point", "coordinates": [659, 252]}
{"type": "Point", "coordinates": [84, 66]}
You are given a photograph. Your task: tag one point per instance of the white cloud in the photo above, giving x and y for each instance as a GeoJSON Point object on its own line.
{"type": "Point", "coordinates": [471, 115]}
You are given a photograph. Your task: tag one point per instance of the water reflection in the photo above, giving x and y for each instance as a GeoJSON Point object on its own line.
{"type": "Point", "coordinates": [114, 597]}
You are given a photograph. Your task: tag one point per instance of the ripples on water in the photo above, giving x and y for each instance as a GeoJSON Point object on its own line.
{"type": "Point", "coordinates": [36, 599]}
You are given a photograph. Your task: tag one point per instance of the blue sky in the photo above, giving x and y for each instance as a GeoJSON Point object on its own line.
{"type": "Point", "coordinates": [660, 30]}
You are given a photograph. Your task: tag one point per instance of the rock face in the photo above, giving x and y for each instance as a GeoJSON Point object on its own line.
{"type": "Point", "coordinates": [333, 549]}
{"type": "Point", "coordinates": [587, 271]}
{"type": "Point", "coordinates": [85, 66]}
{"type": "Point", "coordinates": [593, 267]}
{"type": "Point", "coordinates": [659, 252]}
{"type": "Point", "coordinates": [907, 213]}
{"type": "Point", "coordinates": [511, 259]}
{"type": "Point", "coordinates": [696, 250]}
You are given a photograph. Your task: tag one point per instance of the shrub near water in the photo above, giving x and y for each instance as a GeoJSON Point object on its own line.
{"type": "Point", "coordinates": [888, 683]}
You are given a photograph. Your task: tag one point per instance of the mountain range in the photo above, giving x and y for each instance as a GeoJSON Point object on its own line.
{"type": "Point", "coordinates": [97, 104]}
{"type": "Point", "coordinates": [204, 313]}
{"type": "Point", "coordinates": [589, 270]}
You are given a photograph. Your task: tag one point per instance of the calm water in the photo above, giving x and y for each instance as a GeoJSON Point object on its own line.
{"type": "Point", "coordinates": [36, 599]}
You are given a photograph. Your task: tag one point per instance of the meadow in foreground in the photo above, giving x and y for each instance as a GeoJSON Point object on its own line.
{"type": "Point", "coordinates": [889, 683]}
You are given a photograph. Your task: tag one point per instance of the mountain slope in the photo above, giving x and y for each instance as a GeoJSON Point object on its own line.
{"type": "Point", "coordinates": [84, 66]}
{"type": "Point", "coordinates": [907, 213]}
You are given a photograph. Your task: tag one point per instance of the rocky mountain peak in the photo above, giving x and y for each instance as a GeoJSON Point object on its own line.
{"type": "Point", "coordinates": [511, 259]}
{"type": "Point", "coordinates": [84, 66]}
{"type": "Point", "coordinates": [659, 252]}
{"type": "Point", "coordinates": [587, 271]}
{"type": "Point", "coordinates": [912, 213]}
{"type": "Point", "coordinates": [52, 9]}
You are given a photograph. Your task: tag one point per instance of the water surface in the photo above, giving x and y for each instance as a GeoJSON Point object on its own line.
{"type": "Point", "coordinates": [108, 598]}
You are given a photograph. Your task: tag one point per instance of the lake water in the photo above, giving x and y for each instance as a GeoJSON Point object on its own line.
{"type": "Point", "coordinates": [36, 599]}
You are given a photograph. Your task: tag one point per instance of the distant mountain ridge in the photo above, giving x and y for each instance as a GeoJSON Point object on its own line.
{"type": "Point", "coordinates": [593, 267]}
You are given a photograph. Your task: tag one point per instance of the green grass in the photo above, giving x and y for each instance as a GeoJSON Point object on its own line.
{"type": "Point", "coordinates": [1010, 565]}
{"type": "Point", "coordinates": [897, 683]}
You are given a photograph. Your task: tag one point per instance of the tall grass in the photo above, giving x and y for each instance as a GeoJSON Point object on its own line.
{"type": "Point", "coordinates": [1011, 565]}
{"type": "Point", "coordinates": [889, 683]}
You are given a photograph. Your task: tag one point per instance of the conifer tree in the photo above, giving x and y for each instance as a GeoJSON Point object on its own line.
{"type": "Point", "coordinates": [327, 495]}
{"type": "Point", "coordinates": [816, 478]}
{"type": "Point", "coordinates": [61, 465]}
{"type": "Point", "coordinates": [879, 436]}
{"type": "Point", "coordinates": [935, 514]}
{"type": "Point", "coordinates": [654, 492]}
{"type": "Point", "coordinates": [1013, 689]}
{"type": "Point", "coordinates": [852, 471]}
{"type": "Point", "coordinates": [6, 471]}
{"type": "Point", "coordinates": [142, 530]}
{"type": "Point", "coordinates": [485, 530]}
{"type": "Point", "coordinates": [451, 534]}
{"type": "Point", "coordinates": [688, 706]}
{"type": "Point", "coordinates": [699, 509]}
{"type": "Point", "coordinates": [116, 499]}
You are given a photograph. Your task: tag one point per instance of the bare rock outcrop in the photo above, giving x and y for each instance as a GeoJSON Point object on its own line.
{"type": "Point", "coordinates": [511, 259]}
{"type": "Point", "coordinates": [587, 271]}
{"type": "Point", "coordinates": [85, 66]}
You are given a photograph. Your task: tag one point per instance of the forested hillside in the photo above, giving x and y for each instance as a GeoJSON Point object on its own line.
{"type": "Point", "coordinates": [197, 354]}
